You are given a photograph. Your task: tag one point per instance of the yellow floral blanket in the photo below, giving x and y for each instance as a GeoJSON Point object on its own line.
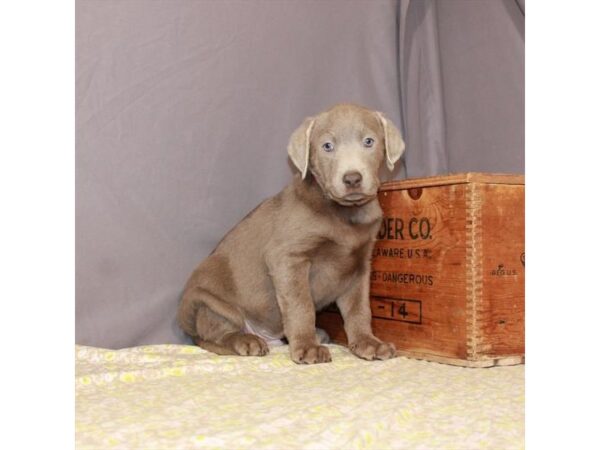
{"type": "Point", "coordinates": [168, 397]}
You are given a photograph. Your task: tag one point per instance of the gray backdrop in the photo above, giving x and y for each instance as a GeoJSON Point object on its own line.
{"type": "Point", "coordinates": [184, 108]}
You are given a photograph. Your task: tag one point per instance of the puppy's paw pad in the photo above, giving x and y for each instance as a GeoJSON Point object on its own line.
{"type": "Point", "coordinates": [310, 354]}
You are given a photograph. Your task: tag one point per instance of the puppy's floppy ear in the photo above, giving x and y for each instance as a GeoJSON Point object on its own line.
{"type": "Point", "coordinates": [394, 145]}
{"type": "Point", "coordinates": [299, 145]}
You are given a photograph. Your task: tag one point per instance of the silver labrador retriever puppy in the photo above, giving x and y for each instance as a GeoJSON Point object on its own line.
{"type": "Point", "coordinates": [306, 247]}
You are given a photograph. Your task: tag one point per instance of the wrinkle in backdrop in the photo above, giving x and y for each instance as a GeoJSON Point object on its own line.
{"type": "Point", "coordinates": [462, 71]}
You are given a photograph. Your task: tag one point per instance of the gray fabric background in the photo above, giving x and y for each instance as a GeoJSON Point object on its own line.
{"type": "Point", "coordinates": [184, 108]}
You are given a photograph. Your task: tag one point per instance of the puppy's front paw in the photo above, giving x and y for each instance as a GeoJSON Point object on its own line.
{"type": "Point", "coordinates": [310, 354]}
{"type": "Point", "coordinates": [370, 349]}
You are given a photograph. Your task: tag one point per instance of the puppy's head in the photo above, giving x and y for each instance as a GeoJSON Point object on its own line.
{"type": "Point", "coordinates": [343, 148]}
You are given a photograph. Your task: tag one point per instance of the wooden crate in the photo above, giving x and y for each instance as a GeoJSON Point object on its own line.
{"type": "Point", "coordinates": [448, 270]}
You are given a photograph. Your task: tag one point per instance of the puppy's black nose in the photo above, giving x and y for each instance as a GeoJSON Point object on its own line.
{"type": "Point", "coordinates": [352, 179]}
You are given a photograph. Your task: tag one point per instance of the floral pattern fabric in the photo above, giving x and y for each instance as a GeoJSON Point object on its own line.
{"type": "Point", "coordinates": [168, 397]}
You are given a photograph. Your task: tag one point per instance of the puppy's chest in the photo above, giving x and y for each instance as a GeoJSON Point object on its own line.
{"type": "Point", "coordinates": [335, 264]}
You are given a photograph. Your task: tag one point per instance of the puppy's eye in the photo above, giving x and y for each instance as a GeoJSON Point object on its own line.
{"type": "Point", "coordinates": [368, 142]}
{"type": "Point", "coordinates": [328, 146]}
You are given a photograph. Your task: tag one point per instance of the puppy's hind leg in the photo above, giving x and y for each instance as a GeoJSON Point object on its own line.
{"type": "Point", "coordinates": [219, 328]}
{"type": "Point", "coordinates": [218, 335]}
